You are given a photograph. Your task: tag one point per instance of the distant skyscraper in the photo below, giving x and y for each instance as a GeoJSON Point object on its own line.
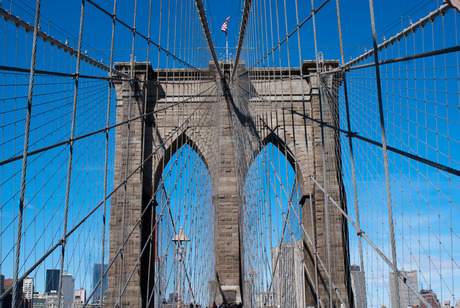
{"type": "Point", "coordinates": [406, 297]}
{"type": "Point", "coordinates": [358, 286]}
{"type": "Point", "coordinates": [288, 278]}
{"type": "Point", "coordinates": [52, 280]}
{"type": "Point", "coordinates": [431, 298]}
{"type": "Point", "coordinates": [68, 290]}
{"type": "Point", "coordinates": [98, 270]}
{"type": "Point", "coordinates": [28, 288]}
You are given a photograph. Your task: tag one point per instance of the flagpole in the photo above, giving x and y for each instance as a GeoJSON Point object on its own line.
{"type": "Point", "coordinates": [226, 46]}
{"type": "Point", "coordinates": [224, 29]}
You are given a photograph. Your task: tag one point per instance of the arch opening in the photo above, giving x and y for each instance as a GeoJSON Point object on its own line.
{"type": "Point", "coordinates": [183, 198]}
{"type": "Point", "coordinates": [273, 245]}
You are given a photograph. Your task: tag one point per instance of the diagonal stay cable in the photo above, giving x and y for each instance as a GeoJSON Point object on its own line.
{"type": "Point", "coordinates": [368, 140]}
{"type": "Point", "coordinates": [290, 204]}
{"type": "Point", "coordinates": [90, 213]}
{"type": "Point", "coordinates": [28, 28]}
{"type": "Point", "coordinates": [67, 141]}
{"type": "Point", "coordinates": [360, 233]}
{"type": "Point", "coordinates": [134, 30]}
{"type": "Point", "coordinates": [139, 220]}
{"type": "Point", "coordinates": [298, 26]}
{"type": "Point", "coordinates": [411, 29]}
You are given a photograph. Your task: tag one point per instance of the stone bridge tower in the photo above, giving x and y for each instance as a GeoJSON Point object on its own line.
{"type": "Point", "coordinates": [226, 123]}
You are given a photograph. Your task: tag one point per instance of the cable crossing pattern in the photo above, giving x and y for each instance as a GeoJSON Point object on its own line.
{"type": "Point", "coordinates": [317, 165]}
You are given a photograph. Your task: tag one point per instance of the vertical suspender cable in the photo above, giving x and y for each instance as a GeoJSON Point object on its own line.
{"type": "Point", "coordinates": [352, 160]}
{"type": "Point", "coordinates": [69, 168]}
{"type": "Point", "coordinates": [16, 292]}
{"type": "Point", "coordinates": [385, 154]}
{"type": "Point", "coordinates": [127, 149]}
{"type": "Point", "coordinates": [326, 210]}
{"type": "Point", "coordinates": [151, 203]}
{"type": "Point", "coordinates": [310, 199]}
{"type": "Point", "coordinates": [104, 210]}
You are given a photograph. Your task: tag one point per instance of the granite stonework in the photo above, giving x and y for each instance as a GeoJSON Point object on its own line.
{"type": "Point", "coordinates": [227, 123]}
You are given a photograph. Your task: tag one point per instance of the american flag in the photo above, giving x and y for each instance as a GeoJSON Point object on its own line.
{"type": "Point", "coordinates": [224, 26]}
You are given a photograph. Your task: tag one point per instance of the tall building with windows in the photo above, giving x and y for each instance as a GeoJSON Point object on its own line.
{"type": "Point", "coordinates": [28, 288]}
{"type": "Point", "coordinates": [358, 286]}
{"type": "Point", "coordinates": [406, 296]}
{"type": "Point", "coordinates": [98, 271]}
{"type": "Point", "coordinates": [68, 290]}
{"type": "Point", "coordinates": [265, 299]}
{"type": "Point", "coordinates": [52, 286]}
{"type": "Point", "coordinates": [51, 299]}
{"type": "Point", "coordinates": [52, 280]}
{"type": "Point", "coordinates": [39, 301]}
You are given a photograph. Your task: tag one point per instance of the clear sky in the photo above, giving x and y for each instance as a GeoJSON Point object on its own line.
{"type": "Point", "coordinates": [405, 110]}
{"type": "Point", "coordinates": [391, 16]}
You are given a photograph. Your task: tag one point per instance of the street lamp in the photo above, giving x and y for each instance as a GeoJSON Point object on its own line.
{"type": "Point", "coordinates": [252, 276]}
{"type": "Point", "coordinates": [178, 239]}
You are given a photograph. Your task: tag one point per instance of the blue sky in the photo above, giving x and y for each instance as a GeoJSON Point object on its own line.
{"type": "Point", "coordinates": [61, 20]}
{"type": "Point", "coordinates": [390, 16]}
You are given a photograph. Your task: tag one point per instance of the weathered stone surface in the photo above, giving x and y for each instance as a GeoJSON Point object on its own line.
{"type": "Point", "coordinates": [227, 125]}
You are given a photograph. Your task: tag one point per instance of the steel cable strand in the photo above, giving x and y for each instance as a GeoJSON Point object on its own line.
{"type": "Point", "coordinates": [24, 163]}
{"type": "Point", "coordinates": [15, 158]}
{"type": "Point", "coordinates": [138, 221]}
{"type": "Point", "coordinates": [160, 185]}
{"type": "Point", "coordinates": [56, 245]}
{"type": "Point", "coordinates": [106, 155]}
{"type": "Point", "coordinates": [355, 226]}
{"type": "Point", "coordinates": [157, 220]}
{"type": "Point", "coordinates": [32, 180]}
{"type": "Point", "coordinates": [42, 208]}
{"type": "Point", "coordinates": [373, 142]}
{"type": "Point", "coordinates": [135, 32]}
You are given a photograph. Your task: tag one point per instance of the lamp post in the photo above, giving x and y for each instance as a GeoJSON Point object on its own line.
{"type": "Point", "coordinates": [252, 276]}
{"type": "Point", "coordinates": [178, 239]}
